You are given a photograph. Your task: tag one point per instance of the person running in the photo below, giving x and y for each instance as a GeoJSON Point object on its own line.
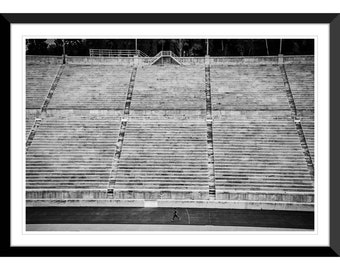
{"type": "Point", "coordinates": [175, 216]}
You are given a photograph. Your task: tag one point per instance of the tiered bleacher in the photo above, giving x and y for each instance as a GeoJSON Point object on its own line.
{"type": "Point", "coordinates": [39, 78]}
{"type": "Point", "coordinates": [258, 157]}
{"type": "Point", "coordinates": [169, 87]}
{"type": "Point", "coordinates": [163, 158]}
{"type": "Point", "coordinates": [301, 80]}
{"type": "Point", "coordinates": [72, 150]}
{"type": "Point", "coordinates": [164, 151]}
{"type": "Point", "coordinates": [257, 152]}
{"type": "Point", "coordinates": [307, 122]}
{"type": "Point", "coordinates": [30, 118]}
{"type": "Point", "coordinates": [92, 87]}
{"type": "Point", "coordinates": [247, 87]}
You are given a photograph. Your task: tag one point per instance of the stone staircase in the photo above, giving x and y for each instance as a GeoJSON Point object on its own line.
{"type": "Point", "coordinates": [185, 133]}
{"type": "Point", "coordinates": [247, 87]}
{"type": "Point", "coordinates": [92, 87]}
{"type": "Point", "coordinates": [31, 114]}
{"type": "Point", "coordinates": [258, 157]}
{"type": "Point", "coordinates": [169, 88]}
{"type": "Point", "coordinates": [39, 78]}
{"type": "Point", "coordinates": [307, 122]}
{"type": "Point", "coordinates": [71, 151]}
{"type": "Point", "coordinates": [163, 159]}
{"type": "Point", "coordinates": [301, 78]}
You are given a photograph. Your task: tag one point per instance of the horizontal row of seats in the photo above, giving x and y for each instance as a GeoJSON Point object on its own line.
{"type": "Point", "coordinates": [39, 78]}
{"type": "Point", "coordinates": [164, 154]}
{"type": "Point", "coordinates": [30, 119]}
{"type": "Point", "coordinates": [301, 80]}
{"type": "Point", "coordinates": [243, 87]}
{"type": "Point", "coordinates": [72, 151]}
{"type": "Point", "coordinates": [92, 87]}
{"type": "Point", "coordinates": [169, 88]}
{"type": "Point", "coordinates": [163, 157]}
{"type": "Point", "coordinates": [258, 153]}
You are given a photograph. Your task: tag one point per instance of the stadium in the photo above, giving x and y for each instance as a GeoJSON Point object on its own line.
{"type": "Point", "coordinates": [173, 140]}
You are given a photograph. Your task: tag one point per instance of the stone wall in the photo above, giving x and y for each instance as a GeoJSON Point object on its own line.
{"type": "Point", "coordinates": [87, 60]}
{"type": "Point", "coordinates": [233, 60]}
{"type": "Point", "coordinates": [44, 59]}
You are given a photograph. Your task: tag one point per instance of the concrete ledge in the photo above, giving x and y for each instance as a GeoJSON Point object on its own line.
{"type": "Point", "coordinates": [169, 114]}
{"type": "Point", "coordinates": [83, 203]}
{"type": "Point", "coordinates": [298, 59]}
{"type": "Point", "coordinates": [75, 112]}
{"type": "Point", "coordinates": [65, 194]}
{"type": "Point", "coordinates": [164, 194]}
{"type": "Point", "coordinates": [300, 197]}
{"type": "Point", "coordinates": [214, 204]}
{"type": "Point", "coordinates": [130, 61]}
{"type": "Point", "coordinates": [44, 59]}
{"type": "Point", "coordinates": [244, 60]}
{"type": "Point", "coordinates": [87, 60]}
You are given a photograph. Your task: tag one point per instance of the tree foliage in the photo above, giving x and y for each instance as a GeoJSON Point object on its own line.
{"type": "Point", "coordinates": [181, 47]}
{"type": "Point", "coordinates": [36, 46]}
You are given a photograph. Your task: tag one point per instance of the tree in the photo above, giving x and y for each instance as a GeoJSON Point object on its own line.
{"type": "Point", "coordinates": [178, 45]}
{"type": "Point", "coordinates": [162, 42]}
{"type": "Point", "coordinates": [36, 46]}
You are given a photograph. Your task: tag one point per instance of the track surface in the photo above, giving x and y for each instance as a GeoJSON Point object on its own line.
{"type": "Point", "coordinates": [188, 216]}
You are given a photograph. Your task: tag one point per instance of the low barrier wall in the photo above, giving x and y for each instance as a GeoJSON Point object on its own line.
{"type": "Point", "coordinates": [44, 59]}
{"type": "Point", "coordinates": [88, 60]}
{"type": "Point", "coordinates": [234, 60]}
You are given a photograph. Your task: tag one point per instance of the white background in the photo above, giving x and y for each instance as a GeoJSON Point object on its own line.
{"type": "Point", "coordinates": [244, 6]}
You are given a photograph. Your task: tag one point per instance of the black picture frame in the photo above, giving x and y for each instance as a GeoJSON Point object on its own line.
{"type": "Point", "coordinates": [333, 20]}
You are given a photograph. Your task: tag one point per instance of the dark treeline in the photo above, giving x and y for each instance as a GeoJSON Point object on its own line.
{"type": "Point", "coordinates": [181, 47]}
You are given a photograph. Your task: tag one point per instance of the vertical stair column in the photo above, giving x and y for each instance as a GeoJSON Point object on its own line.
{"type": "Point", "coordinates": [43, 108]}
{"type": "Point", "coordinates": [304, 146]}
{"type": "Point", "coordinates": [210, 145]}
{"type": "Point", "coordinates": [119, 144]}
{"type": "Point", "coordinates": [288, 91]}
{"type": "Point", "coordinates": [297, 120]}
{"type": "Point", "coordinates": [33, 130]}
{"type": "Point", "coordinates": [53, 88]}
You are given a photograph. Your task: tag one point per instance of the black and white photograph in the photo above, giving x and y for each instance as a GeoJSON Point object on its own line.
{"type": "Point", "coordinates": [162, 135]}
{"type": "Point", "coordinates": [170, 134]}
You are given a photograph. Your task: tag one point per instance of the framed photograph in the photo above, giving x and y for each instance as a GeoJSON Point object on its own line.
{"type": "Point", "coordinates": [172, 134]}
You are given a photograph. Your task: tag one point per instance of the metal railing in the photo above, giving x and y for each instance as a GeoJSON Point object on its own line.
{"type": "Point", "coordinates": [165, 53]}
{"type": "Point", "coordinates": [116, 53]}
{"type": "Point", "coordinates": [156, 57]}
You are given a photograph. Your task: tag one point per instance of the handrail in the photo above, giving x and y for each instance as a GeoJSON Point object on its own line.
{"type": "Point", "coordinates": [156, 57]}
{"type": "Point", "coordinates": [142, 54]}
{"type": "Point", "coordinates": [116, 53]}
{"type": "Point", "coordinates": [165, 53]}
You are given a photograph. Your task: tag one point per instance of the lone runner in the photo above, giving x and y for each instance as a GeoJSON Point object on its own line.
{"type": "Point", "coordinates": [175, 216]}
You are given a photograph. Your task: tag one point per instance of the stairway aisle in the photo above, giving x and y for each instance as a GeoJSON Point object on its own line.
{"type": "Point", "coordinates": [210, 140]}
{"type": "Point", "coordinates": [120, 141]}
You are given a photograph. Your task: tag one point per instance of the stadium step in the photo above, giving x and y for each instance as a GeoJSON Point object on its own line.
{"type": "Point", "coordinates": [123, 124]}
{"type": "Point", "coordinates": [297, 121]}
{"type": "Point", "coordinates": [52, 88]}
{"type": "Point", "coordinates": [210, 145]}
{"type": "Point", "coordinates": [43, 108]}
{"type": "Point", "coordinates": [92, 87]}
{"type": "Point", "coordinates": [189, 133]}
